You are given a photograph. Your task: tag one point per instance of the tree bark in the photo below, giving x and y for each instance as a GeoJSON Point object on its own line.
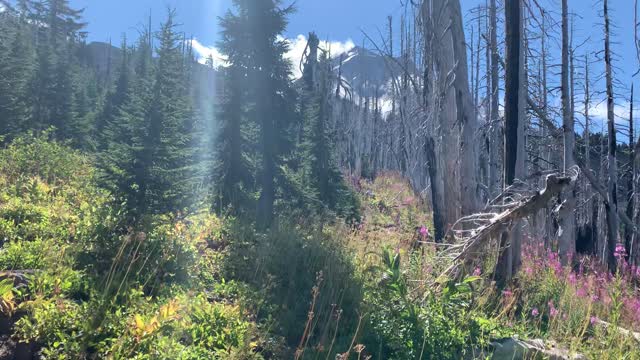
{"type": "Point", "coordinates": [630, 179]}
{"type": "Point", "coordinates": [512, 134]}
{"type": "Point", "coordinates": [466, 114]}
{"type": "Point", "coordinates": [494, 127]}
{"type": "Point", "coordinates": [612, 198]}
{"type": "Point", "coordinates": [566, 241]}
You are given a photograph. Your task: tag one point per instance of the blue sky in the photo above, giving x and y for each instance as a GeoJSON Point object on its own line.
{"type": "Point", "coordinates": [337, 20]}
{"type": "Point", "coordinates": [331, 19]}
{"type": "Point", "coordinates": [343, 20]}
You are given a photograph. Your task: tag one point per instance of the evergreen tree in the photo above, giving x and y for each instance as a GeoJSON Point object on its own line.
{"type": "Point", "coordinates": [123, 131]}
{"type": "Point", "coordinates": [53, 85]}
{"type": "Point", "coordinates": [61, 99]}
{"type": "Point", "coordinates": [253, 44]}
{"type": "Point", "coordinates": [321, 177]}
{"type": "Point", "coordinates": [16, 67]}
{"type": "Point", "coordinates": [115, 98]}
{"type": "Point", "coordinates": [166, 156]}
{"type": "Point", "coordinates": [231, 173]}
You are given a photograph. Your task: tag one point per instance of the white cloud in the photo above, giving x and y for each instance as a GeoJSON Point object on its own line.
{"type": "Point", "coordinates": [205, 52]}
{"type": "Point", "coordinates": [296, 49]}
{"type": "Point", "coordinates": [598, 113]}
{"type": "Point", "coordinates": [298, 45]}
{"type": "Point", "coordinates": [600, 110]}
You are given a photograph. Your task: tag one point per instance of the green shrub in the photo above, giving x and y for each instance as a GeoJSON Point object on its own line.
{"type": "Point", "coordinates": [407, 324]}
{"type": "Point", "coordinates": [284, 265]}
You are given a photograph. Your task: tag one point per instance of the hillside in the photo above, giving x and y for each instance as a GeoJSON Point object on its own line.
{"type": "Point", "coordinates": [464, 185]}
{"type": "Point", "coordinates": [78, 285]}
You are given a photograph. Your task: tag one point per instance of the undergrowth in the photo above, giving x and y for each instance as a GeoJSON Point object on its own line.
{"type": "Point", "coordinates": [79, 280]}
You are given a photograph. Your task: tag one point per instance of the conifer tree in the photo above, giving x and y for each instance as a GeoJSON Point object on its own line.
{"type": "Point", "coordinates": [320, 174]}
{"type": "Point", "coordinates": [123, 130]}
{"type": "Point", "coordinates": [115, 97]}
{"type": "Point", "coordinates": [166, 156]}
{"type": "Point", "coordinates": [16, 67]}
{"type": "Point", "coordinates": [260, 87]}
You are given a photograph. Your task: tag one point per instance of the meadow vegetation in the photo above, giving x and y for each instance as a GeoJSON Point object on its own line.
{"type": "Point", "coordinates": [79, 283]}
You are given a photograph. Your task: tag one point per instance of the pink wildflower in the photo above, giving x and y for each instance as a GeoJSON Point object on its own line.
{"type": "Point", "coordinates": [620, 251]}
{"type": "Point", "coordinates": [477, 271]}
{"type": "Point", "coordinates": [572, 279]}
{"type": "Point", "coordinates": [535, 312]}
{"type": "Point", "coordinates": [424, 231]}
{"type": "Point", "coordinates": [552, 309]}
{"type": "Point", "coordinates": [581, 292]}
{"type": "Point", "coordinates": [594, 320]}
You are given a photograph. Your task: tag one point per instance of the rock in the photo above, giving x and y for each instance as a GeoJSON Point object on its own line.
{"type": "Point", "coordinates": [536, 349]}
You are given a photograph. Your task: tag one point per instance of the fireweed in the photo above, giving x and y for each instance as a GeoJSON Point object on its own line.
{"type": "Point", "coordinates": [575, 303]}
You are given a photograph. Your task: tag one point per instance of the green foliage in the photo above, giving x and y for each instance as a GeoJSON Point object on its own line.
{"type": "Point", "coordinates": [97, 288]}
{"type": "Point", "coordinates": [263, 108]}
{"type": "Point", "coordinates": [285, 265]}
{"type": "Point", "coordinates": [404, 327]}
{"type": "Point", "coordinates": [17, 60]}
{"type": "Point", "coordinates": [57, 324]}
{"type": "Point", "coordinates": [148, 157]}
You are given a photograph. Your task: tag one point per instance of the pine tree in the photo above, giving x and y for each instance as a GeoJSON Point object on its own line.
{"type": "Point", "coordinates": [115, 97]}
{"type": "Point", "coordinates": [123, 131]}
{"type": "Point", "coordinates": [52, 87]}
{"type": "Point", "coordinates": [271, 93]}
{"type": "Point", "coordinates": [255, 51]}
{"type": "Point", "coordinates": [16, 67]}
{"type": "Point", "coordinates": [166, 155]}
{"type": "Point", "coordinates": [321, 176]}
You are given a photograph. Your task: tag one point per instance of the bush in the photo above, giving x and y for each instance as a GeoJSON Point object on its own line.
{"type": "Point", "coordinates": [285, 265]}
{"type": "Point", "coordinates": [407, 324]}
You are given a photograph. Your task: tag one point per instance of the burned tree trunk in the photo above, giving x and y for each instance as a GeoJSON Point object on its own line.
{"type": "Point", "coordinates": [566, 243]}
{"type": "Point", "coordinates": [630, 179]}
{"type": "Point", "coordinates": [465, 113]}
{"type": "Point", "coordinates": [436, 190]}
{"type": "Point", "coordinates": [513, 134]}
{"type": "Point", "coordinates": [612, 197]}
{"type": "Point", "coordinates": [494, 127]}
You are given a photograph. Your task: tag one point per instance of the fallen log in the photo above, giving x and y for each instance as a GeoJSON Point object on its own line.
{"type": "Point", "coordinates": [465, 251]}
{"type": "Point", "coordinates": [621, 330]}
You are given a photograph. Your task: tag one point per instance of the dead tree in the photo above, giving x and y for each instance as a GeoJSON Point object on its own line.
{"type": "Point", "coordinates": [612, 197]}
{"type": "Point", "coordinates": [494, 101]}
{"type": "Point", "coordinates": [465, 113]}
{"type": "Point", "coordinates": [566, 243]}
{"type": "Point", "coordinates": [513, 134]}
{"type": "Point", "coordinates": [628, 234]}
{"type": "Point", "coordinates": [474, 233]}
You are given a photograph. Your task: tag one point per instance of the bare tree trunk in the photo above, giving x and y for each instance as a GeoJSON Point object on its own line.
{"type": "Point", "coordinates": [494, 102]}
{"type": "Point", "coordinates": [635, 248]}
{"type": "Point", "coordinates": [488, 138]}
{"type": "Point", "coordinates": [546, 148]}
{"type": "Point", "coordinates": [466, 114]}
{"type": "Point", "coordinates": [612, 207]}
{"type": "Point", "coordinates": [437, 197]}
{"type": "Point", "coordinates": [590, 213]}
{"type": "Point", "coordinates": [566, 243]}
{"type": "Point", "coordinates": [431, 103]}
{"type": "Point", "coordinates": [629, 233]}
{"type": "Point", "coordinates": [512, 134]}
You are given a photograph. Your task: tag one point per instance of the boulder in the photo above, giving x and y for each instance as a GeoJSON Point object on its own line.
{"type": "Point", "coordinates": [536, 349]}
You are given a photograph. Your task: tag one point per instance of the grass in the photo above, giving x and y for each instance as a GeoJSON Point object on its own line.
{"type": "Point", "coordinates": [205, 287]}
